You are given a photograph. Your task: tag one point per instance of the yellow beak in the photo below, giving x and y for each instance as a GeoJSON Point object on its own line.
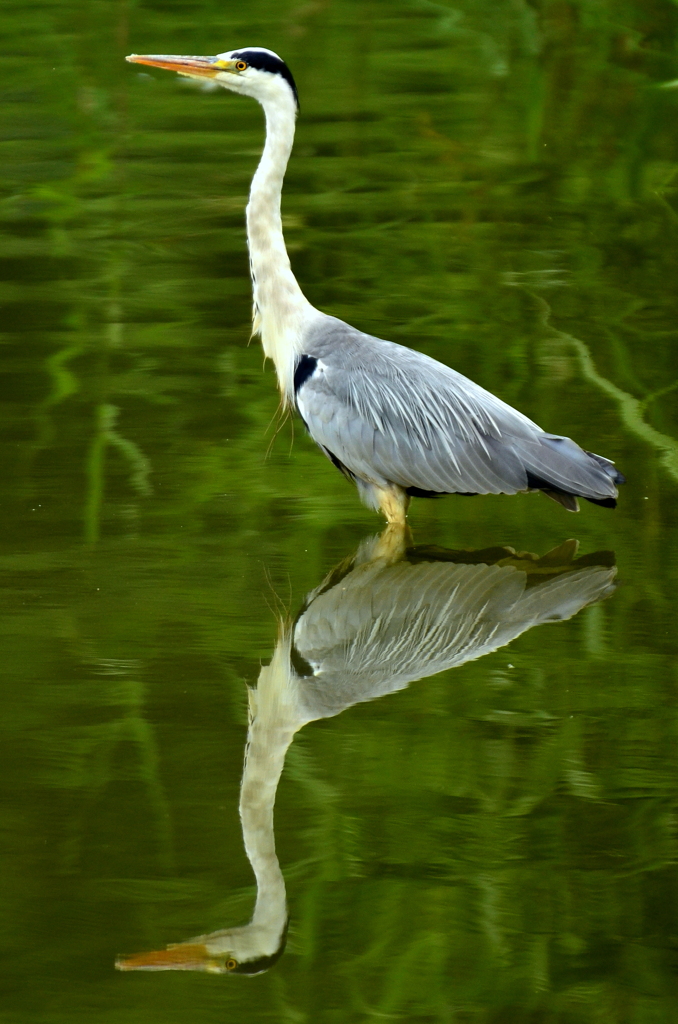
{"type": "Point", "coordinates": [193, 67]}
{"type": "Point", "coordinates": [186, 956]}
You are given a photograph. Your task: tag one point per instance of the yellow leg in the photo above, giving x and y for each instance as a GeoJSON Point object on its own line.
{"type": "Point", "coordinates": [393, 502]}
{"type": "Point", "coordinates": [392, 543]}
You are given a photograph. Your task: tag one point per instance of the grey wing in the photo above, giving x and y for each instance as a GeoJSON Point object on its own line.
{"type": "Point", "coordinates": [382, 626]}
{"type": "Point", "coordinates": [389, 414]}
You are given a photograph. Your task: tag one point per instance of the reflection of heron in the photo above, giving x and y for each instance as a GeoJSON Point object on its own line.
{"type": "Point", "coordinates": [394, 421]}
{"type": "Point", "coordinates": [377, 623]}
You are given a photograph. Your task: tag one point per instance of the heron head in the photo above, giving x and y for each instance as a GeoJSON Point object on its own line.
{"type": "Point", "coordinates": [252, 71]}
{"type": "Point", "coordinates": [247, 950]}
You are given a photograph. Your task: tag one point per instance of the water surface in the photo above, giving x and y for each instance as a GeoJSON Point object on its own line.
{"type": "Point", "coordinates": [494, 184]}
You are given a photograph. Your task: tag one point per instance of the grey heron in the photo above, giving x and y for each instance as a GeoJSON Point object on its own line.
{"type": "Point", "coordinates": [394, 421]}
{"type": "Point", "coordinates": [379, 621]}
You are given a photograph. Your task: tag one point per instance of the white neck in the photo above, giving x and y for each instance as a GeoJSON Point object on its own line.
{"type": "Point", "coordinates": [280, 308]}
{"type": "Point", "coordinates": [274, 719]}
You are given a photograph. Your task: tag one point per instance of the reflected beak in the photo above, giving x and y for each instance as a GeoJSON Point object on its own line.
{"type": "Point", "coordinates": [186, 956]}
{"type": "Point", "coordinates": [193, 67]}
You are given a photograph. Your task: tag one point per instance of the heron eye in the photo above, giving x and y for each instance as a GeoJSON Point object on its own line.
{"type": "Point", "coordinates": [240, 65]}
{"type": "Point", "coordinates": [232, 964]}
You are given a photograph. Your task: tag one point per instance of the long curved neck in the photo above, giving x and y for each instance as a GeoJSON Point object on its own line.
{"type": "Point", "coordinates": [274, 720]}
{"type": "Point", "coordinates": [265, 759]}
{"type": "Point", "coordinates": [280, 308]}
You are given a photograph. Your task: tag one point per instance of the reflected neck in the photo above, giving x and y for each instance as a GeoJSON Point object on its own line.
{"type": "Point", "coordinates": [280, 308]}
{"type": "Point", "coordinates": [273, 723]}
{"type": "Point", "coordinates": [265, 760]}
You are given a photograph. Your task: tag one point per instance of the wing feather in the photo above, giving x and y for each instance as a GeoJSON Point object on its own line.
{"type": "Point", "coordinates": [393, 415]}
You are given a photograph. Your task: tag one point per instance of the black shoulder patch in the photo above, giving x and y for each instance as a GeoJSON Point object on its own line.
{"type": "Point", "coordinates": [267, 62]}
{"type": "Point", "coordinates": [304, 370]}
{"type": "Point", "coordinates": [299, 664]}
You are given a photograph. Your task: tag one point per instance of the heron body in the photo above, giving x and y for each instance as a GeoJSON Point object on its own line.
{"type": "Point", "coordinates": [393, 420]}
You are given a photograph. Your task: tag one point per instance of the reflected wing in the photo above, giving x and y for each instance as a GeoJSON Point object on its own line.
{"type": "Point", "coordinates": [383, 626]}
{"type": "Point", "coordinates": [388, 413]}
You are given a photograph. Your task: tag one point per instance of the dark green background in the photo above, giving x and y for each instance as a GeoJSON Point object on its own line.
{"type": "Point", "coordinates": [493, 182]}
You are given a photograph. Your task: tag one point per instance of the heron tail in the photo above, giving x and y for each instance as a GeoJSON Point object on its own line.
{"type": "Point", "coordinates": [565, 472]}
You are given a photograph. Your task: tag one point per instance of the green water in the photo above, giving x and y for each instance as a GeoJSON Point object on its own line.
{"type": "Point", "coordinates": [493, 182]}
